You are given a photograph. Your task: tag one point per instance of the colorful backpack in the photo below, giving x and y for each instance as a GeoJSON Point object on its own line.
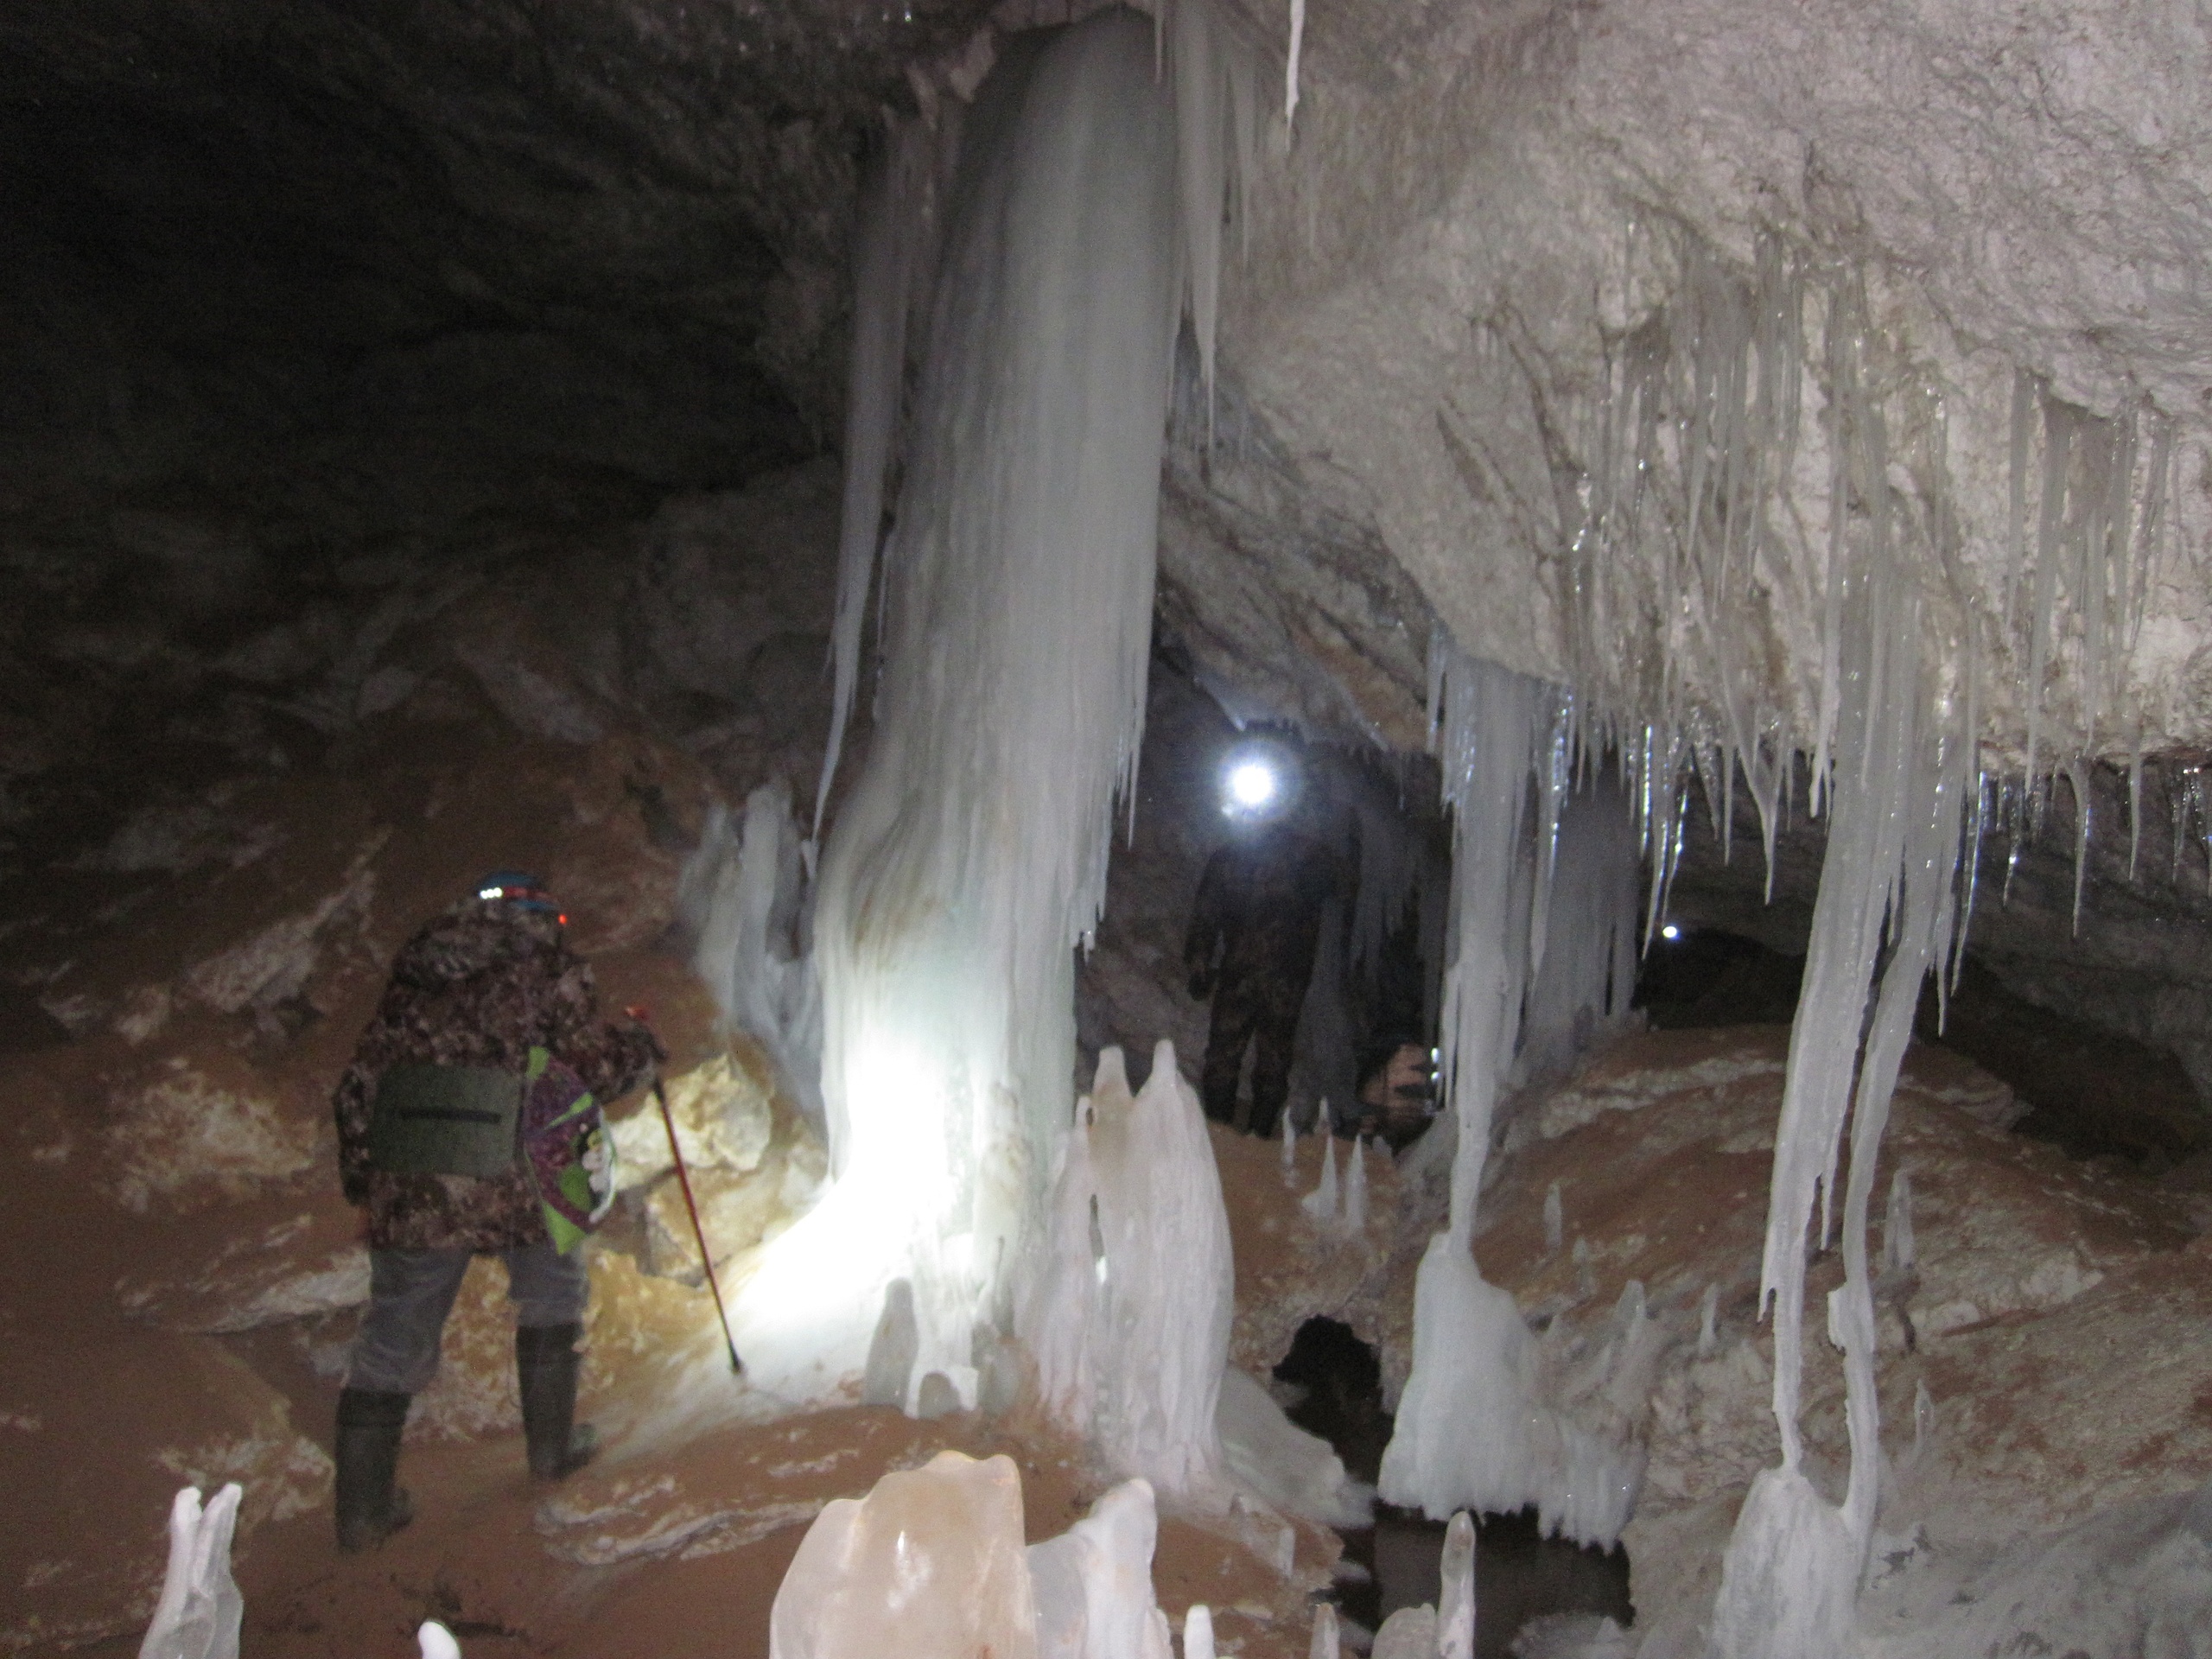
{"type": "Point", "coordinates": [567, 1149]}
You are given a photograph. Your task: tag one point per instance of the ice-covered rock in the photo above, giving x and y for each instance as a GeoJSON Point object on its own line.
{"type": "Point", "coordinates": [929, 1563]}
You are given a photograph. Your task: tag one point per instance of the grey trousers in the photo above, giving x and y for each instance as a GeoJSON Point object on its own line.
{"type": "Point", "coordinates": [410, 1292]}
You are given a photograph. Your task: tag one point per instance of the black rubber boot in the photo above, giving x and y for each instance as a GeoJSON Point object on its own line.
{"type": "Point", "coordinates": [370, 1506]}
{"type": "Point", "coordinates": [546, 1362]}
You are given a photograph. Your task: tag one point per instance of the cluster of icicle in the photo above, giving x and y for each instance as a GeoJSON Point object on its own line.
{"type": "Point", "coordinates": [200, 1612]}
{"type": "Point", "coordinates": [932, 1561]}
{"type": "Point", "coordinates": [1691, 463]}
{"type": "Point", "coordinates": [1049, 273]}
{"type": "Point", "coordinates": [1471, 1431]}
{"type": "Point", "coordinates": [1688, 468]}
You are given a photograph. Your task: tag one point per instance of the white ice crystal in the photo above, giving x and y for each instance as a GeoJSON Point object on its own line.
{"type": "Point", "coordinates": [200, 1609]}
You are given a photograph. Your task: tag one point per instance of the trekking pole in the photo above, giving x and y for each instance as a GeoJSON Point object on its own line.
{"type": "Point", "coordinates": [706, 1256]}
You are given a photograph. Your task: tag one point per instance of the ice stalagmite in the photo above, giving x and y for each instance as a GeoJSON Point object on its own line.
{"type": "Point", "coordinates": [1128, 1324]}
{"type": "Point", "coordinates": [1016, 600]}
{"type": "Point", "coordinates": [1320, 1203]}
{"type": "Point", "coordinates": [1093, 1584]}
{"type": "Point", "coordinates": [199, 1610]}
{"type": "Point", "coordinates": [1455, 1602]}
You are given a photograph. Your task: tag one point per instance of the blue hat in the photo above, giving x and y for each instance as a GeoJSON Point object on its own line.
{"type": "Point", "coordinates": [518, 887]}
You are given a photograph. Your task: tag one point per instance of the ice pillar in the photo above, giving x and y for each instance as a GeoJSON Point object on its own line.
{"type": "Point", "coordinates": [1015, 600]}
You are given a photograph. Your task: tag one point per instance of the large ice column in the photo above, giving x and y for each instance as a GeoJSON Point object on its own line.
{"type": "Point", "coordinates": [931, 1563]}
{"type": "Point", "coordinates": [1904, 761]}
{"type": "Point", "coordinates": [1127, 1312]}
{"type": "Point", "coordinates": [1016, 600]}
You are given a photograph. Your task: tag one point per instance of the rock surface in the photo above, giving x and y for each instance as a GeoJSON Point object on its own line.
{"type": "Point", "coordinates": [2052, 1312]}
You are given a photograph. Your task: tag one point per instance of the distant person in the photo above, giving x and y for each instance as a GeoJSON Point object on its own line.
{"type": "Point", "coordinates": [1254, 929]}
{"type": "Point", "coordinates": [1398, 1097]}
{"type": "Point", "coordinates": [432, 1117]}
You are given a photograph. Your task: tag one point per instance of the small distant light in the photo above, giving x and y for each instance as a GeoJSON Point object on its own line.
{"type": "Point", "coordinates": [491, 893]}
{"type": "Point", "coordinates": [561, 919]}
{"type": "Point", "coordinates": [1670, 932]}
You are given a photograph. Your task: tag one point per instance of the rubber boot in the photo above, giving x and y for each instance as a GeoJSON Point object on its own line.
{"type": "Point", "coordinates": [546, 1362]}
{"type": "Point", "coordinates": [370, 1506]}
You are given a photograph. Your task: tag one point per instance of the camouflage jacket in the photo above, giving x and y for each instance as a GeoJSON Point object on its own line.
{"type": "Point", "coordinates": [1257, 916]}
{"type": "Point", "coordinates": [481, 985]}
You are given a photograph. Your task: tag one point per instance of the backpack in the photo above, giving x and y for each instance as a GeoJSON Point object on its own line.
{"type": "Point", "coordinates": [563, 1143]}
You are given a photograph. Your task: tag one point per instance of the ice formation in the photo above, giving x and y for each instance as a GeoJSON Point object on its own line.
{"type": "Point", "coordinates": [1409, 1633]}
{"type": "Point", "coordinates": [1093, 1584]}
{"type": "Point", "coordinates": [1455, 1601]}
{"type": "Point", "coordinates": [1279, 1463]}
{"type": "Point", "coordinates": [890, 1352]}
{"type": "Point", "coordinates": [742, 896]}
{"type": "Point", "coordinates": [1197, 1631]}
{"type": "Point", "coordinates": [1014, 601]}
{"type": "Point", "coordinates": [1471, 1430]}
{"type": "Point", "coordinates": [436, 1642]}
{"type": "Point", "coordinates": [1902, 758]}
{"type": "Point", "coordinates": [931, 1562]}
{"type": "Point", "coordinates": [1324, 1643]}
{"type": "Point", "coordinates": [1355, 1210]}
{"type": "Point", "coordinates": [200, 1609]}
{"type": "Point", "coordinates": [1320, 1204]}
{"type": "Point", "coordinates": [1125, 1310]}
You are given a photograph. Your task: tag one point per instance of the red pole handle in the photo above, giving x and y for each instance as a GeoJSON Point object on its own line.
{"type": "Point", "coordinates": [706, 1256]}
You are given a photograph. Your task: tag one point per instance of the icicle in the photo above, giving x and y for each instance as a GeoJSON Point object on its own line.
{"type": "Point", "coordinates": [1290, 66]}
{"type": "Point", "coordinates": [891, 214]}
{"type": "Point", "coordinates": [1899, 1253]}
{"type": "Point", "coordinates": [1197, 1632]}
{"type": "Point", "coordinates": [2134, 800]}
{"type": "Point", "coordinates": [433, 1641]}
{"type": "Point", "coordinates": [1708, 1312]}
{"type": "Point", "coordinates": [1555, 1221]}
{"type": "Point", "coordinates": [2077, 775]}
{"type": "Point", "coordinates": [1355, 1217]}
{"type": "Point", "coordinates": [1321, 1204]}
{"type": "Point", "coordinates": [1923, 1419]}
{"type": "Point", "coordinates": [1585, 1269]}
{"type": "Point", "coordinates": [1455, 1605]}
{"type": "Point", "coordinates": [2023, 403]}
{"type": "Point", "coordinates": [1289, 1150]}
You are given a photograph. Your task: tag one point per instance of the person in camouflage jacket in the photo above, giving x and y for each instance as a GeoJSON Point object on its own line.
{"type": "Point", "coordinates": [479, 986]}
{"type": "Point", "coordinates": [1255, 927]}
